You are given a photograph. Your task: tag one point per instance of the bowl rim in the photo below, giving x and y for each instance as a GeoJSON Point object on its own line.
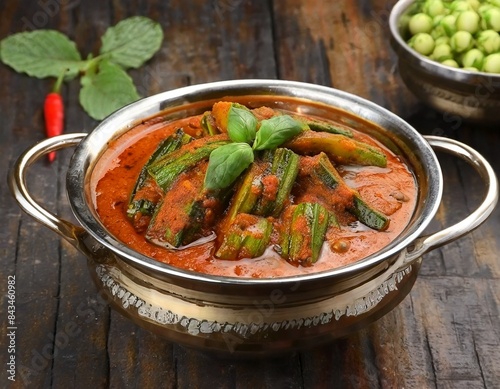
{"type": "Point", "coordinates": [433, 67]}
{"type": "Point", "coordinates": [78, 175]}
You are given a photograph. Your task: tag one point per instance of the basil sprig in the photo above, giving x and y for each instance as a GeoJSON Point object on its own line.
{"type": "Point", "coordinates": [227, 162]}
{"type": "Point", "coordinates": [105, 84]}
{"type": "Point", "coordinates": [276, 131]}
{"type": "Point", "coordinates": [241, 125]}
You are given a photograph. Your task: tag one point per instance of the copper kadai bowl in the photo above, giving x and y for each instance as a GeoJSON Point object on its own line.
{"type": "Point", "coordinates": [242, 316]}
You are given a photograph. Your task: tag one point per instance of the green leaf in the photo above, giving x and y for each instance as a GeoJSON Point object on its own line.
{"type": "Point", "coordinates": [41, 53]}
{"type": "Point", "coordinates": [132, 41]}
{"type": "Point", "coordinates": [275, 131]}
{"type": "Point", "coordinates": [226, 163]}
{"type": "Point", "coordinates": [241, 125]}
{"type": "Point", "coordinates": [107, 90]}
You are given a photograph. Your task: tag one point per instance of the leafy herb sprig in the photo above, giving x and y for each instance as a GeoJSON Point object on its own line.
{"type": "Point", "coordinates": [105, 84]}
{"type": "Point", "coordinates": [227, 162]}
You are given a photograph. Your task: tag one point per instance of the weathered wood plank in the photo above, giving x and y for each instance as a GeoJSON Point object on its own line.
{"type": "Point", "coordinates": [284, 371]}
{"type": "Point", "coordinates": [485, 239]}
{"type": "Point", "coordinates": [453, 310]}
{"type": "Point", "coordinates": [82, 316]}
{"type": "Point", "coordinates": [33, 255]}
{"type": "Point", "coordinates": [402, 353]}
{"type": "Point", "coordinates": [345, 363]}
{"type": "Point", "coordinates": [138, 359]}
{"type": "Point", "coordinates": [344, 45]}
{"type": "Point", "coordinates": [77, 339]}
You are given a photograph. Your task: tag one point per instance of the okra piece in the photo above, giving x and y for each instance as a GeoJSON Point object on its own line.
{"type": "Point", "coordinates": [208, 124]}
{"type": "Point", "coordinates": [369, 216]}
{"type": "Point", "coordinates": [321, 126]}
{"type": "Point", "coordinates": [248, 192]}
{"type": "Point", "coordinates": [187, 211]}
{"type": "Point", "coordinates": [340, 148]}
{"type": "Point", "coordinates": [171, 143]}
{"type": "Point", "coordinates": [255, 242]}
{"type": "Point", "coordinates": [167, 169]}
{"type": "Point", "coordinates": [303, 240]}
{"type": "Point", "coordinates": [247, 237]}
{"type": "Point", "coordinates": [198, 219]}
{"type": "Point", "coordinates": [145, 196]}
{"type": "Point", "coordinates": [265, 188]}
{"type": "Point", "coordinates": [277, 182]}
{"type": "Point", "coordinates": [142, 207]}
{"type": "Point", "coordinates": [331, 178]}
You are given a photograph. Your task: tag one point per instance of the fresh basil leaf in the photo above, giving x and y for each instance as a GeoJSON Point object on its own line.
{"type": "Point", "coordinates": [132, 41]}
{"type": "Point", "coordinates": [226, 163]}
{"type": "Point", "coordinates": [241, 125]}
{"type": "Point", "coordinates": [109, 89]}
{"type": "Point", "coordinates": [275, 131]}
{"type": "Point", "coordinates": [41, 53]}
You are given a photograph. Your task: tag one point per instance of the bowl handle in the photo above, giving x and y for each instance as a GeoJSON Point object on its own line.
{"type": "Point", "coordinates": [426, 243]}
{"type": "Point", "coordinates": [18, 187]}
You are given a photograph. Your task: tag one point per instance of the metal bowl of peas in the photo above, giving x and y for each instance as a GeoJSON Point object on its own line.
{"type": "Point", "coordinates": [449, 55]}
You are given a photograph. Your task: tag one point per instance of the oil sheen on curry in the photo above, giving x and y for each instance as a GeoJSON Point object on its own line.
{"type": "Point", "coordinates": [252, 192]}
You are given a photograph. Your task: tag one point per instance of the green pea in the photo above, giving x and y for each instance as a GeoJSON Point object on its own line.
{"type": "Point", "coordinates": [461, 41]}
{"type": "Point", "coordinates": [442, 52]}
{"type": "Point", "coordinates": [436, 20]}
{"type": "Point", "coordinates": [473, 59]}
{"type": "Point", "coordinates": [496, 3]}
{"type": "Point", "coordinates": [438, 30]}
{"type": "Point", "coordinates": [459, 6]}
{"type": "Point", "coordinates": [468, 21]}
{"type": "Point", "coordinates": [420, 23]}
{"type": "Point", "coordinates": [488, 41]}
{"type": "Point", "coordinates": [475, 4]}
{"type": "Point", "coordinates": [451, 62]}
{"type": "Point", "coordinates": [422, 43]}
{"type": "Point", "coordinates": [448, 24]}
{"type": "Point", "coordinates": [404, 22]}
{"type": "Point", "coordinates": [483, 8]}
{"type": "Point", "coordinates": [442, 40]}
{"type": "Point", "coordinates": [434, 8]}
{"type": "Point", "coordinates": [491, 19]}
{"type": "Point", "coordinates": [491, 63]}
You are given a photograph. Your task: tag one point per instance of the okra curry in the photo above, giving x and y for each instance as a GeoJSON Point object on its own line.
{"type": "Point", "coordinates": [252, 192]}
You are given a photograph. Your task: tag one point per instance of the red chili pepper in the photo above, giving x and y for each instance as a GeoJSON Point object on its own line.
{"type": "Point", "coordinates": [53, 110]}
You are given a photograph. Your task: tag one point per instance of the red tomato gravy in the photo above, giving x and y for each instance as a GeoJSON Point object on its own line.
{"type": "Point", "coordinates": [392, 190]}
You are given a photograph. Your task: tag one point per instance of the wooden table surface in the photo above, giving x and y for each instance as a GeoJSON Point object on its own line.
{"type": "Point", "coordinates": [445, 334]}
